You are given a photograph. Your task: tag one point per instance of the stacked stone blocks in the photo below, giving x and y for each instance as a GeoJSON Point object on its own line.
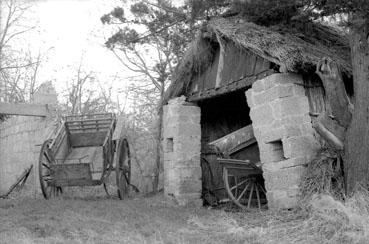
{"type": "Point", "coordinates": [182, 146]}
{"type": "Point", "coordinates": [20, 143]}
{"type": "Point", "coordinates": [282, 126]}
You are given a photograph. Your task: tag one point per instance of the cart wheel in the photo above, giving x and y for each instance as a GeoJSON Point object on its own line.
{"type": "Point", "coordinates": [45, 160]}
{"type": "Point", "coordinates": [241, 189]}
{"type": "Point", "coordinates": [123, 168]}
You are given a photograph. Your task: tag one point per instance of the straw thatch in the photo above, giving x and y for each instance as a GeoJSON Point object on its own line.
{"type": "Point", "coordinates": [295, 48]}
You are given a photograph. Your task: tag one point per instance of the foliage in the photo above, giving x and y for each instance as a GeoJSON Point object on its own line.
{"type": "Point", "coordinates": [163, 37]}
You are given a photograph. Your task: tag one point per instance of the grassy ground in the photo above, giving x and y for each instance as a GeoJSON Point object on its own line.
{"type": "Point", "coordinates": [72, 219]}
{"type": "Point", "coordinates": [136, 220]}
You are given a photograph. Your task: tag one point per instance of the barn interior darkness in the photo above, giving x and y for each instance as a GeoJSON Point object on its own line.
{"type": "Point", "coordinates": [221, 116]}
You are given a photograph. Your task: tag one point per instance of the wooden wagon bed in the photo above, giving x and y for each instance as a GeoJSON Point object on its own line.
{"type": "Point", "coordinates": [81, 153]}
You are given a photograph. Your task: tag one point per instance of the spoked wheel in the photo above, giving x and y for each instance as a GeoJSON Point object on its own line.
{"type": "Point", "coordinates": [123, 168]}
{"type": "Point", "coordinates": [46, 159]}
{"type": "Point", "coordinates": [241, 189]}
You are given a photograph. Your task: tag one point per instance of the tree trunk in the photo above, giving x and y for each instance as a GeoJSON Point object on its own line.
{"type": "Point", "coordinates": [158, 141]}
{"type": "Point", "coordinates": [356, 155]}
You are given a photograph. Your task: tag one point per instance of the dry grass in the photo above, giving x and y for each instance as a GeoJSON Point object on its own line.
{"type": "Point", "coordinates": [91, 219]}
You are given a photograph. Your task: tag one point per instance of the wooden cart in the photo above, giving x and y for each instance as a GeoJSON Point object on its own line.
{"type": "Point", "coordinates": [242, 173]}
{"type": "Point", "coordinates": [81, 152]}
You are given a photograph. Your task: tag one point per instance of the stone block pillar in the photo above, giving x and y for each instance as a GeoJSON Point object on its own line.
{"type": "Point", "coordinates": [182, 146]}
{"type": "Point", "coordinates": [283, 130]}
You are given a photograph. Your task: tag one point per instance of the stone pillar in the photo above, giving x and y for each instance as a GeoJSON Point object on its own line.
{"type": "Point", "coordinates": [283, 130]}
{"type": "Point", "coordinates": [182, 146]}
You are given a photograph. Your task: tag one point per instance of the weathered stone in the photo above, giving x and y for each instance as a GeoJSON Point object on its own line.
{"type": "Point", "coordinates": [282, 127]}
{"type": "Point", "coordinates": [296, 119]}
{"type": "Point", "coordinates": [300, 146]}
{"type": "Point", "coordinates": [190, 200]}
{"type": "Point", "coordinates": [276, 92]}
{"type": "Point", "coordinates": [294, 106]}
{"type": "Point", "coordinates": [272, 135]}
{"type": "Point", "coordinates": [262, 115]}
{"type": "Point", "coordinates": [287, 163]}
{"type": "Point", "coordinates": [258, 85]}
{"type": "Point", "coordinates": [283, 179]}
{"type": "Point", "coordinates": [280, 200]}
{"type": "Point", "coordinates": [280, 78]}
{"type": "Point", "coordinates": [182, 146]}
{"type": "Point", "coordinates": [189, 186]}
{"type": "Point", "coordinates": [249, 98]}
{"type": "Point", "coordinates": [271, 152]}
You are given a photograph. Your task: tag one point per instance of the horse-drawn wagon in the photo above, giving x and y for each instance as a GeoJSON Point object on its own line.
{"type": "Point", "coordinates": [82, 152]}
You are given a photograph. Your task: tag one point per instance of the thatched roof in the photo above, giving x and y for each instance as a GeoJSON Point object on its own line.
{"type": "Point", "coordinates": [296, 48]}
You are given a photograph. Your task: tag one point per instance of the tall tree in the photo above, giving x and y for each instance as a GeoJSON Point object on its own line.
{"type": "Point", "coordinates": [18, 70]}
{"type": "Point", "coordinates": [152, 52]}
{"type": "Point", "coordinates": [356, 153]}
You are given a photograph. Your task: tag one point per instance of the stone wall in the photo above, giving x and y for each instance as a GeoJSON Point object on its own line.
{"type": "Point", "coordinates": [182, 146]}
{"type": "Point", "coordinates": [283, 130]}
{"type": "Point", "coordinates": [20, 143]}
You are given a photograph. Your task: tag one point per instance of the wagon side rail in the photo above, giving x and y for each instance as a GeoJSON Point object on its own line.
{"type": "Point", "coordinates": [58, 137]}
{"type": "Point", "coordinates": [108, 151]}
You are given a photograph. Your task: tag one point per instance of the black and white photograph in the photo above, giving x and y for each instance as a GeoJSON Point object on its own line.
{"type": "Point", "coordinates": [184, 121]}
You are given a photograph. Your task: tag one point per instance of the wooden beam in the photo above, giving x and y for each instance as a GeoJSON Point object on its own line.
{"type": "Point", "coordinates": [243, 136]}
{"type": "Point", "coordinates": [24, 109]}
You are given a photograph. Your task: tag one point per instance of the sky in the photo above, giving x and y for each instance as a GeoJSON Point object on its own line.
{"type": "Point", "coordinates": [68, 32]}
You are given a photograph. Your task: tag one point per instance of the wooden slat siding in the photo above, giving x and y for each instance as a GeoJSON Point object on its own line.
{"type": "Point", "coordinates": [315, 92]}
{"type": "Point", "coordinates": [119, 126]}
{"type": "Point", "coordinates": [240, 84]}
{"type": "Point", "coordinates": [36, 110]}
{"type": "Point", "coordinates": [58, 137]}
{"type": "Point", "coordinates": [87, 139]}
{"type": "Point", "coordinates": [75, 182]}
{"type": "Point", "coordinates": [88, 127]}
{"type": "Point", "coordinates": [207, 78]}
{"type": "Point", "coordinates": [89, 120]}
{"type": "Point", "coordinates": [210, 78]}
{"type": "Point", "coordinates": [86, 117]}
{"type": "Point", "coordinates": [63, 150]}
{"type": "Point", "coordinates": [250, 63]}
{"type": "Point", "coordinates": [238, 63]}
{"type": "Point", "coordinates": [96, 124]}
{"type": "Point", "coordinates": [88, 130]}
{"type": "Point", "coordinates": [71, 171]}
{"type": "Point", "coordinates": [261, 65]}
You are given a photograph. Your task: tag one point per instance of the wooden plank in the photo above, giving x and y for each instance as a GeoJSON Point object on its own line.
{"type": "Point", "coordinates": [229, 142]}
{"type": "Point", "coordinates": [234, 86]}
{"type": "Point", "coordinates": [89, 117]}
{"type": "Point", "coordinates": [20, 181]}
{"type": "Point", "coordinates": [87, 139]}
{"type": "Point", "coordinates": [83, 128]}
{"type": "Point", "coordinates": [75, 182]}
{"type": "Point", "coordinates": [118, 128]}
{"type": "Point", "coordinates": [71, 171]}
{"type": "Point", "coordinates": [24, 109]}
{"type": "Point", "coordinates": [86, 121]}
